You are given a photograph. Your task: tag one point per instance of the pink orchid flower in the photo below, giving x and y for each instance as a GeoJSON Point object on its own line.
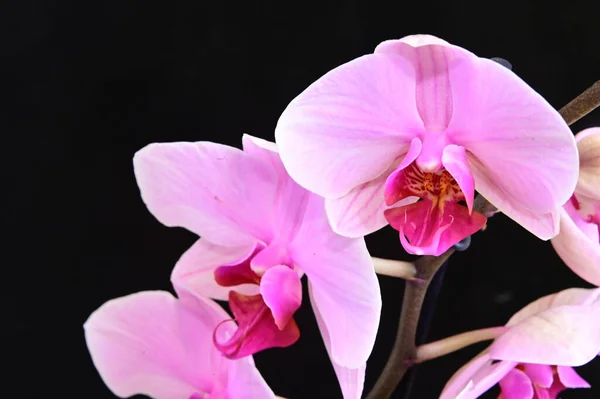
{"type": "Point", "coordinates": [260, 232]}
{"type": "Point", "coordinates": [533, 358]}
{"type": "Point", "coordinates": [421, 119]}
{"type": "Point", "coordinates": [578, 243]}
{"type": "Point", "coordinates": [152, 344]}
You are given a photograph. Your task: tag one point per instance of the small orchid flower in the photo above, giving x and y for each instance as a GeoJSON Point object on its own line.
{"type": "Point", "coordinates": [578, 243]}
{"type": "Point", "coordinates": [260, 232]}
{"type": "Point", "coordinates": [421, 119]}
{"type": "Point", "coordinates": [150, 343]}
{"type": "Point", "coordinates": [534, 357]}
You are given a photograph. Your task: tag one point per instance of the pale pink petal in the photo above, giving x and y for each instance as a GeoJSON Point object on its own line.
{"type": "Point", "coordinates": [567, 335]}
{"type": "Point", "coordinates": [361, 211]}
{"type": "Point", "coordinates": [575, 248]}
{"type": "Point", "coordinates": [195, 270]}
{"type": "Point", "coordinates": [476, 377]}
{"type": "Point", "coordinates": [461, 378]}
{"type": "Point", "coordinates": [516, 385]}
{"type": "Point", "coordinates": [349, 126]}
{"type": "Point", "coordinates": [570, 379]}
{"type": "Point", "coordinates": [245, 381]}
{"type": "Point", "coordinates": [544, 226]}
{"type": "Point", "coordinates": [216, 191]}
{"type": "Point", "coordinates": [432, 60]}
{"type": "Point", "coordinates": [281, 290]}
{"type": "Point", "coordinates": [454, 160]}
{"type": "Point", "coordinates": [391, 46]}
{"type": "Point", "coordinates": [540, 374]}
{"type": "Point", "coordinates": [523, 145]}
{"type": "Point", "coordinates": [258, 147]}
{"type": "Point", "coordinates": [149, 343]}
{"type": "Point", "coordinates": [570, 296]}
{"type": "Point", "coordinates": [346, 291]}
{"type": "Point", "coordinates": [344, 283]}
{"type": "Point", "coordinates": [351, 379]}
{"type": "Point", "coordinates": [290, 201]}
{"type": "Point", "coordinates": [588, 144]}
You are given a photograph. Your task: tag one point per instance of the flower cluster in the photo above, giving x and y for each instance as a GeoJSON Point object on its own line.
{"type": "Point", "coordinates": [405, 136]}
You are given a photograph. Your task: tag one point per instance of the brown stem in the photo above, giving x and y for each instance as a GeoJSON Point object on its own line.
{"type": "Point", "coordinates": [404, 350]}
{"type": "Point", "coordinates": [581, 105]}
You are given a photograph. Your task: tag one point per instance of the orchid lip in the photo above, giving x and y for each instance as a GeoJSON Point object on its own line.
{"type": "Point", "coordinates": [231, 348]}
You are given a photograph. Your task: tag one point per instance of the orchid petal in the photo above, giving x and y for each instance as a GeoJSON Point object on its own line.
{"type": "Point", "coordinates": [544, 226]}
{"type": "Point", "coordinates": [360, 212]}
{"type": "Point", "coordinates": [540, 374]}
{"type": "Point", "coordinates": [258, 147]}
{"type": "Point", "coordinates": [216, 191]}
{"type": "Point", "coordinates": [432, 60]}
{"type": "Point", "coordinates": [290, 201]}
{"type": "Point", "coordinates": [570, 296]}
{"type": "Point", "coordinates": [149, 343]}
{"type": "Point", "coordinates": [476, 377]}
{"type": "Point", "coordinates": [344, 286]}
{"type": "Point", "coordinates": [588, 144]}
{"type": "Point", "coordinates": [575, 248]}
{"type": "Point", "coordinates": [573, 333]}
{"type": "Point", "coordinates": [346, 291]}
{"type": "Point", "coordinates": [459, 382]}
{"type": "Point", "coordinates": [246, 382]}
{"type": "Point", "coordinates": [195, 270]}
{"type": "Point", "coordinates": [516, 385]}
{"type": "Point", "coordinates": [570, 379]}
{"type": "Point", "coordinates": [521, 142]}
{"type": "Point", "coordinates": [281, 290]}
{"type": "Point", "coordinates": [351, 380]}
{"type": "Point", "coordinates": [391, 46]}
{"type": "Point", "coordinates": [454, 159]}
{"type": "Point", "coordinates": [349, 126]}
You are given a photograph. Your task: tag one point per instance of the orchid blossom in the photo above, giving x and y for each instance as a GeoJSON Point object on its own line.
{"type": "Point", "coordinates": [534, 356]}
{"type": "Point", "coordinates": [150, 343]}
{"type": "Point", "coordinates": [423, 120]}
{"type": "Point", "coordinates": [578, 242]}
{"type": "Point", "coordinates": [260, 232]}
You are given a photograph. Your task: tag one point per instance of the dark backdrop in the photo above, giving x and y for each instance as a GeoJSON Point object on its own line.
{"type": "Point", "coordinates": [87, 83]}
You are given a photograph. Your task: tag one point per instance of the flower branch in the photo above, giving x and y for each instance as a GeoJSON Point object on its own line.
{"type": "Point", "coordinates": [404, 349]}
{"type": "Point", "coordinates": [582, 105]}
{"type": "Point", "coordinates": [395, 268]}
{"type": "Point", "coordinates": [456, 342]}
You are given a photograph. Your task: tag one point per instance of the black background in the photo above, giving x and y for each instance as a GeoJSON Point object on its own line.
{"type": "Point", "coordinates": [87, 83]}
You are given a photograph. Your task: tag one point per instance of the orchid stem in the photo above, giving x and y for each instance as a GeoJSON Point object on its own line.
{"type": "Point", "coordinates": [395, 268]}
{"type": "Point", "coordinates": [404, 349]}
{"type": "Point", "coordinates": [451, 344]}
{"type": "Point", "coordinates": [426, 317]}
{"type": "Point", "coordinates": [581, 105]}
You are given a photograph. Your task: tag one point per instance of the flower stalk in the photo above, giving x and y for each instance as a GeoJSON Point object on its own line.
{"type": "Point", "coordinates": [582, 105]}
{"type": "Point", "coordinates": [451, 344]}
{"type": "Point", "coordinates": [404, 349]}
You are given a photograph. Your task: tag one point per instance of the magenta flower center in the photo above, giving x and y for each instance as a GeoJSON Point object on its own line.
{"type": "Point", "coordinates": [257, 329]}
{"type": "Point", "coordinates": [438, 187]}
